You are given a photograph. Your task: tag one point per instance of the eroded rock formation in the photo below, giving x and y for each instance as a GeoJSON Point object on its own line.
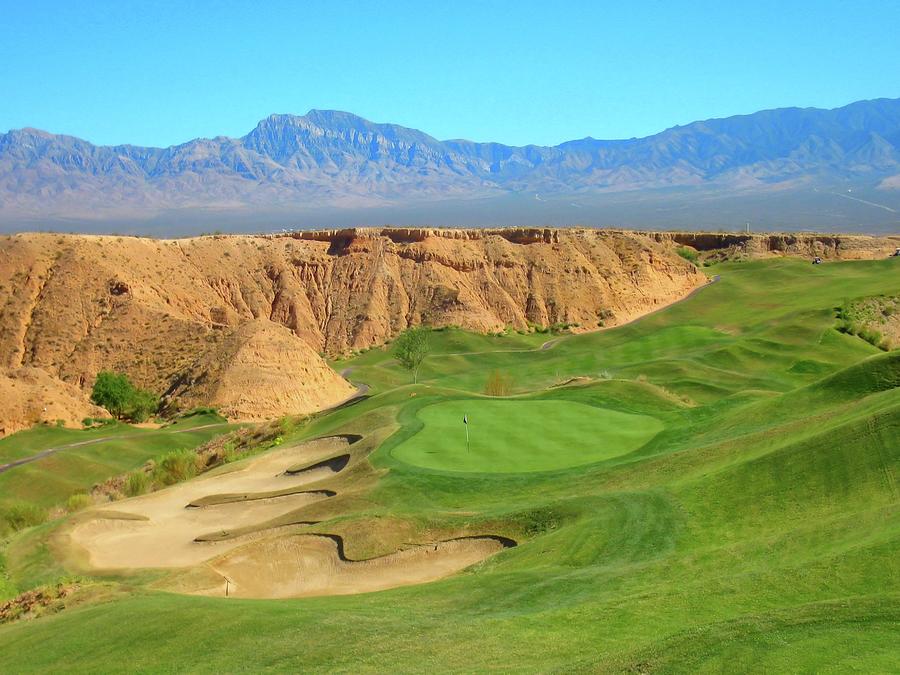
{"type": "Point", "coordinates": [242, 321]}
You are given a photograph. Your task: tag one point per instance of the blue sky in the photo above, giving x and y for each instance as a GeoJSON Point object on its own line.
{"type": "Point", "coordinates": [158, 73]}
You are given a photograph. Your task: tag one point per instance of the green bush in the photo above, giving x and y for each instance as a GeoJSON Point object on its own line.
{"type": "Point", "coordinates": [116, 393]}
{"type": "Point", "coordinates": [97, 421]}
{"type": "Point", "coordinates": [199, 411]}
{"type": "Point", "coordinates": [230, 452]}
{"type": "Point", "coordinates": [175, 467]}
{"type": "Point", "coordinates": [873, 337]}
{"type": "Point", "coordinates": [688, 254]}
{"type": "Point", "coordinates": [143, 404]}
{"type": "Point", "coordinates": [17, 516]}
{"type": "Point", "coordinates": [77, 502]}
{"type": "Point", "coordinates": [136, 483]}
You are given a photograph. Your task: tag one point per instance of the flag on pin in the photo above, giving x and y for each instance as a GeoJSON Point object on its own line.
{"type": "Point", "coordinates": [466, 422]}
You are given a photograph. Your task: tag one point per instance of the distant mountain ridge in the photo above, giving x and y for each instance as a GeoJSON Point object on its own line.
{"type": "Point", "coordinates": [337, 159]}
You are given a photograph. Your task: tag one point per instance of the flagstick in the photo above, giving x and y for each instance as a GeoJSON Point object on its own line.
{"type": "Point", "coordinates": [467, 438]}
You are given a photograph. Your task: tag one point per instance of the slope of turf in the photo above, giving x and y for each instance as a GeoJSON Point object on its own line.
{"type": "Point", "coordinates": [521, 435]}
{"type": "Point", "coordinates": [85, 457]}
{"type": "Point", "coordinates": [757, 530]}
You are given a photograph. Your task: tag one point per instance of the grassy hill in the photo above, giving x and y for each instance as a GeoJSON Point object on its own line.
{"type": "Point", "coordinates": [80, 458]}
{"type": "Point", "coordinates": [712, 488]}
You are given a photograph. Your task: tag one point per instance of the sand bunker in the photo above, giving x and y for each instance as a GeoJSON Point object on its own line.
{"type": "Point", "coordinates": [228, 531]}
{"type": "Point", "coordinates": [307, 565]}
{"type": "Point", "coordinates": [190, 523]}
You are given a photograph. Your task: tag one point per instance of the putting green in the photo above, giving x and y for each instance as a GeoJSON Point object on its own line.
{"type": "Point", "coordinates": [516, 436]}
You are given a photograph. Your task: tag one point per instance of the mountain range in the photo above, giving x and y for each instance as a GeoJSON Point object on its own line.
{"type": "Point", "coordinates": [788, 167]}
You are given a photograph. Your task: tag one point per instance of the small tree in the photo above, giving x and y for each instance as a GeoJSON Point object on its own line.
{"type": "Point", "coordinates": [115, 392]}
{"type": "Point", "coordinates": [112, 391]}
{"type": "Point", "coordinates": [411, 348]}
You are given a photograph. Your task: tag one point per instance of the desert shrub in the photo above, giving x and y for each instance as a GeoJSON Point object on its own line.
{"type": "Point", "coordinates": [78, 501]}
{"type": "Point", "coordinates": [137, 483]}
{"type": "Point", "coordinates": [175, 467]}
{"type": "Point", "coordinates": [873, 337]}
{"type": "Point", "coordinates": [143, 404]}
{"type": "Point", "coordinates": [199, 411]}
{"type": "Point", "coordinates": [97, 421]}
{"type": "Point", "coordinates": [19, 515]}
{"type": "Point", "coordinates": [688, 254]}
{"type": "Point", "coordinates": [845, 327]}
{"type": "Point", "coordinates": [538, 521]}
{"type": "Point", "coordinates": [230, 452]}
{"type": "Point", "coordinates": [498, 384]}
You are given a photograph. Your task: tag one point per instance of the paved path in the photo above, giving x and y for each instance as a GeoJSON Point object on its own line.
{"type": "Point", "coordinates": [50, 451]}
{"type": "Point", "coordinates": [361, 390]}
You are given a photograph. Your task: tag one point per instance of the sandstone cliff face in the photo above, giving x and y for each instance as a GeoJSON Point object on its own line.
{"type": "Point", "coordinates": [837, 246]}
{"type": "Point", "coordinates": [240, 321]}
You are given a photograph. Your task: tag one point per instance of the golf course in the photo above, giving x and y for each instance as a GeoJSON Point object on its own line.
{"type": "Point", "coordinates": [714, 487]}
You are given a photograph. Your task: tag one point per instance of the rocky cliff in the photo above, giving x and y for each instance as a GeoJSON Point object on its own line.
{"type": "Point", "coordinates": [240, 321]}
{"type": "Point", "coordinates": [750, 245]}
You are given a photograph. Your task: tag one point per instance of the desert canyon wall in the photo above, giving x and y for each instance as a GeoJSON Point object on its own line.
{"type": "Point", "coordinates": [243, 322]}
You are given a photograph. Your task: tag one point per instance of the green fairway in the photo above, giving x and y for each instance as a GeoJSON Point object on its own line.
{"type": "Point", "coordinates": [716, 492]}
{"type": "Point", "coordinates": [83, 457]}
{"type": "Point", "coordinates": [515, 435]}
